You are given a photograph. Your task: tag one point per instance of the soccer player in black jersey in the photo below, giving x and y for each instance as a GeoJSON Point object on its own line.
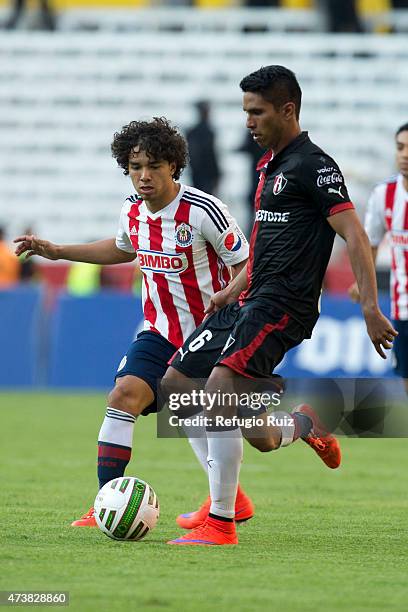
{"type": "Point", "coordinates": [273, 304]}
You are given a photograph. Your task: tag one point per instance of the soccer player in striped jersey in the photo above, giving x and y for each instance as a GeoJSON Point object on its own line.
{"type": "Point", "coordinates": [388, 212]}
{"type": "Point", "coordinates": [187, 243]}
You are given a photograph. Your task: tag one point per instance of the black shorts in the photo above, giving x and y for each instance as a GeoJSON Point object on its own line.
{"type": "Point", "coordinates": [400, 349]}
{"type": "Point", "coordinates": [248, 339]}
{"type": "Point", "coordinates": [147, 359]}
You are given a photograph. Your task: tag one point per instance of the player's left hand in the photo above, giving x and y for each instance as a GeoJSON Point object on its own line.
{"type": "Point", "coordinates": [380, 330]}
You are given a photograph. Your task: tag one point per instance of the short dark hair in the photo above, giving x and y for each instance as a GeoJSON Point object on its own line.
{"type": "Point", "coordinates": [403, 128]}
{"type": "Point", "coordinates": [276, 84]}
{"type": "Point", "coordinates": [158, 138]}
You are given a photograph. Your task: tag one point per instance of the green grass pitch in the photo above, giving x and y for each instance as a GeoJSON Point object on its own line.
{"type": "Point", "coordinates": [321, 539]}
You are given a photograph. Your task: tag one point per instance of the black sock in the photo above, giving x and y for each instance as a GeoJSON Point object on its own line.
{"type": "Point", "coordinates": [303, 425]}
{"type": "Point", "coordinates": [221, 518]}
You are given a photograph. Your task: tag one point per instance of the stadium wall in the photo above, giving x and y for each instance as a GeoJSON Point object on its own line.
{"type": "Point", "coordinates": [81, 342]}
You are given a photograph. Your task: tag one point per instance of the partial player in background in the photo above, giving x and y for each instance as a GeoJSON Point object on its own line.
{"type": "Point", "coordinates": [185, 241]}
{"type": "Point", "coordinates": [9, 264]}
{"type": "Point", "coordinates": [273, 304]}
{"type": "Point", "coordinates": [387, 211]}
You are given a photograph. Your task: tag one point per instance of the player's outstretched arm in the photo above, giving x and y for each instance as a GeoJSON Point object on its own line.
{"type": "Point", "coordinates": [348, 226]}
{"type": "Point", "coordinates": [104, 252]}
{"type": "Point", "coordinates": [353, 290]}
{"type": "Point", "coordinates": [231, 293]}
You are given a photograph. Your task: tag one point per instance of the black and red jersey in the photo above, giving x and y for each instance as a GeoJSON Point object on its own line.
{"type": "Point", "coordinates": [291, 241]}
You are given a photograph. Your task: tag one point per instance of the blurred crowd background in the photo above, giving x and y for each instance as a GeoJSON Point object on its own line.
{"type": "Point", "coordinates": [72, 72]}
{"type": "Point", "coordinates": [334, 15]}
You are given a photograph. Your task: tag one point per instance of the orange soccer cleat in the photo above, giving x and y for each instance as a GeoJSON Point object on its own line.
{"type": "Point", "coordinates": [244, 510]}
{"type": "Point", "coordinates": [323, 442]}
{"type": "Point", "coordinates": [87, 520]}
{"type": "Point", "coordinates": [213, 532]}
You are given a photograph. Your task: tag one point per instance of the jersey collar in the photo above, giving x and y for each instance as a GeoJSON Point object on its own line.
{"type": "Point", "coordinates": [400, 181]}
{"type": "Point", "coordinates": [159, 213]}
{"type": "Point", "coordinates": [265, 159]}
{"type": "Point", "coordinates": [292, 146]}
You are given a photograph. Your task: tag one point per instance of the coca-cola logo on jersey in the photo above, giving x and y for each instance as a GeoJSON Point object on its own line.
{"type": "Point", "coordinates": [163, 263]}
{"type": "Point", "coordinates": [329, 179]}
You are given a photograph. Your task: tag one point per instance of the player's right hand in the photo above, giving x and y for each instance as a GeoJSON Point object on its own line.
{"type": "Point", "coordinates": [218, 301]}
{"type": "Point", "coordinates": [381, 332]}
{"type": "Point", "coordinates": [354, 293]}
{"type": "Point", "coordinates": [34, 246]}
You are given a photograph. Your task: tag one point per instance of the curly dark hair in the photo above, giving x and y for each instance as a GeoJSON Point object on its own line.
{"type": "Point", "coordinates": [158, 138]}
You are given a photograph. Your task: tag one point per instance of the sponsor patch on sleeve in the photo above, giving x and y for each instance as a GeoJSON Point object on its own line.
{"type": "Point", "coordinates": [232, 241]}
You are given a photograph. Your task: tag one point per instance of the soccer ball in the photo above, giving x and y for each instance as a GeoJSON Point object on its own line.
{"type": "Point", "coordinates": [126, 508]}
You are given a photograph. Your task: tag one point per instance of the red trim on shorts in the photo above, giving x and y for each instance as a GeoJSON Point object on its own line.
{"type": "Point", "coordinates": [337, 208]}
{"type": "Point", "coordinates": [236, 369]}
{"type": "Point", "coordinates": [172, 357]}
{"type": "Point", "coordinates": [238, 361]}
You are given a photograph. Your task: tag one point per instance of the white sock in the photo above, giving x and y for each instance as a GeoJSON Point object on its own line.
{"type": "Point", "coordinates": [117, 428]}
{"type": "Point", "coordinates": [225, 450]}
{"type": "Point", "coordinates": [197, 436]}
{"type": "Point", "coordinates": [286, 423]}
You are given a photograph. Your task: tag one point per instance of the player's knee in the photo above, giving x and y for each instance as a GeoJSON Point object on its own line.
{"type": "Point", "coordinates": [123, 397]}
{"type": "Point", "coordinates": [174, 381]}
{"type": "Point", "coordinates": [220, 378]}
{"type": "Point", "coordinates": [264, 445]}
{"type": "Point", "coordinates": [220, 382]}
{"type": "Point", "coordinates": [169, 380]}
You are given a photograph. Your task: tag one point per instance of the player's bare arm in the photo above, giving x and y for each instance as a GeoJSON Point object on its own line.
{"type": "Point", "coordinates": [232, 292]}
{"type": "Point", "coordinates": [380, 330]}
{"type": "Point", "coordinates": [103, 252]}
{"type": "Point", "coordinates": [353, 291]}
{"type": "Point", "coordinates": [236, 269]}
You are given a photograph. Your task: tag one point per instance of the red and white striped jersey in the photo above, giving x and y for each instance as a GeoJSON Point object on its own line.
{"type": "Point", "coordinates": [184, 251]}
{"type": "Point", "coordinates": [388, 212]}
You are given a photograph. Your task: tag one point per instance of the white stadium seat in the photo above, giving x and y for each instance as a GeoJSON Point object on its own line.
{"type": "Point", "coordinates": [63, 95]}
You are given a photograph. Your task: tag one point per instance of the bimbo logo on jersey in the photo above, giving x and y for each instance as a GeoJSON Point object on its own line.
{"type": "Point", "coordinates": [232, 242]}
{"type": "Point", "coordinates": [163, 263]}
{"type": "Point", "coordinates": [279, 184]}
{"type": "Point", "coordinates": [184, 235]}
{"type": "Point", "coordinates": [400, 239]}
